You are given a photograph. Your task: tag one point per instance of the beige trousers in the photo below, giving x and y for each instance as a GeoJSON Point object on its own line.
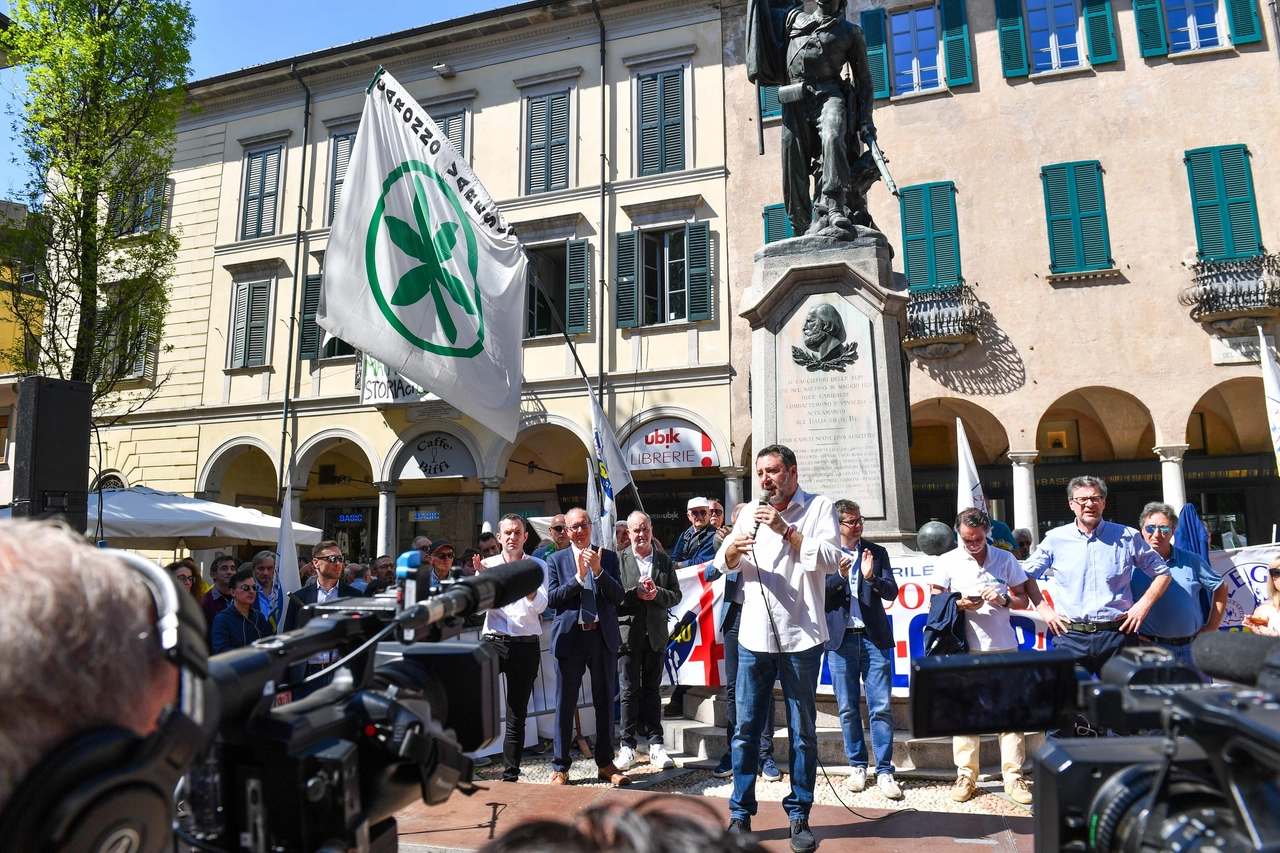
{"type": "Point", "coordinates": [1013, 749]}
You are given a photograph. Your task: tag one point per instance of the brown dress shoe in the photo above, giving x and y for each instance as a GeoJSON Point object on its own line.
{"type": "Point", "coordinates": [613, 776]}
{"type": "Point", "coordinates": [559, 777]}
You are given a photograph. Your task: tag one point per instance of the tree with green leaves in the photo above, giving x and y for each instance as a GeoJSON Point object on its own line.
{"type": "Point", "coordinates": [103, 83]}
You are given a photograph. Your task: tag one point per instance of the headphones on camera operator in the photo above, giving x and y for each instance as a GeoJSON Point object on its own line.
{"type": "Point", "coordinates": [110, 790]}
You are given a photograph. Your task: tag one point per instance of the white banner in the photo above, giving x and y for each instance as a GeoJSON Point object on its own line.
{"type": "Point", "coordinates": [1244, 571]}
{"type": "Point", "coordinates": [422, 271]}
{"type": "Point", "coordinates": [1271, 392]}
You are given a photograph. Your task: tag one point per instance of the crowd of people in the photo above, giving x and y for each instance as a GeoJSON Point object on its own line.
{"type": "Point", "coordinates": [800, 580]}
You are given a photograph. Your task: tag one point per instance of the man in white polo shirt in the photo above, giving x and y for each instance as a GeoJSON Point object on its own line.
{"type": "Point", "coordinates": [989, 581]}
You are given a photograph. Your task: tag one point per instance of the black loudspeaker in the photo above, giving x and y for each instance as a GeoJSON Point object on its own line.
{"type": "Point", "coordinates": [51, 468]}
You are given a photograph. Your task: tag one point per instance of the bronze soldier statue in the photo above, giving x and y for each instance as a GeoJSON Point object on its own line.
{"type": "Point", "coordinates": [825, 117]}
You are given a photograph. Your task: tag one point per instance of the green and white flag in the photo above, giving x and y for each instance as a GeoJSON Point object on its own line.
{"type": "Point", "coordinates": [422, 271]}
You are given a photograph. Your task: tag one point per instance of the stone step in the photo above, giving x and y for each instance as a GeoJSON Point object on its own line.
{"type": "Point", "coordinates": [695, 741]}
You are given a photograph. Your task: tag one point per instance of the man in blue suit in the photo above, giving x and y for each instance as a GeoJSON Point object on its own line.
{"type": "Point", "coordinates": [860, 648]}
{"type": "Point", "coordinates": [584, 586]}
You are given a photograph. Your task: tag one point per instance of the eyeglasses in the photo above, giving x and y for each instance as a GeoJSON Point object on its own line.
{"type": "Point", "coordinates": [579, 527]}
{"type": "Point", "coordinates": [443, 555]}
{"type": "Point", "coordinates": [1163, 528]}
{"type": "Point", "coordinates": [699, 513]}
{"type": "Point", "coordinates": [332, 558]}
{"type": "Point", "coordinates": [558, 528]}
{"type": "Point", "coordinates": [1275, 573]}
{"type": "Point", "coordinates": [1090, 499]}
{"type": "Point", "coordinates": [717, 512]}
{"type": "Point", "coordinates": [852, 522]}
{"type": "Point", "coordinates": [248, 587]}
{"type": "Point", "coordinates": [184, 578]}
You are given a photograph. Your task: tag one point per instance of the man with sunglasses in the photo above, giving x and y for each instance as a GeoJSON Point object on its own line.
{"type": "Point", "coordinates": [1094, 614]}
{"type": "Point", "coordinates": [242, 622]}
{"type": "Point", "coordinates": [1179, 616]}
{"type": "Point", "coordinates": [329, 563]}
{"type": "Point", "coordinates": [698, 543]}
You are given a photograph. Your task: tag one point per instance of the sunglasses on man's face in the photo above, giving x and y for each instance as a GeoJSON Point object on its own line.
{"type": "Point", "coordinates": [332, 558]}
{"type": "Point", "coordinates": [558, 528]}
{"type": "Point", "coordinates": [1162, 528]}
{"type": "Point", "coordinates": [248, 587]}
{"type": "Point", "coordinates": [443, 555]}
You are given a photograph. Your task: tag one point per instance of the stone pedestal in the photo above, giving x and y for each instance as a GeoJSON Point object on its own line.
{"type": "Point", "coordinates": [828, 374]}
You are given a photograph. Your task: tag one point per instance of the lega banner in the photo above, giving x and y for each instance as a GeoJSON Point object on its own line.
{"type": "Point", "coordinates": [695, 654]}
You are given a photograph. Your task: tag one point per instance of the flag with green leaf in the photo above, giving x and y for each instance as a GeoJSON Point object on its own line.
{"type": "Point", "coordinates": [422, 271]}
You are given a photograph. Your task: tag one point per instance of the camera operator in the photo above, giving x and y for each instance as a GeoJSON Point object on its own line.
{"type": "Point", "coordinates": [1094, 614]}
{"type": "Point", "coordinates": [78, 646]}
{"type": "Point", "coordinates": [516, 632]}
{"type": "Point", "coordinates": [1177, 618]}
{"type": "Point", "coordinates": [989, 582]}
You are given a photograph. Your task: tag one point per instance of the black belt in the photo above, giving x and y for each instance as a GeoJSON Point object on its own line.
{"type": "Point", "coordinates": [509, 638]}
{"type": "Point", "coordinates": [1095, 627]}
{"type": "Point", "coordinates": [1170, 641]}
{"type": "Point", "coordinates": [855, 630]}
{"type": "Point", "coordinates": [591, 627]}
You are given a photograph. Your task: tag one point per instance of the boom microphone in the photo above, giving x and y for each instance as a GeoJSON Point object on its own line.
{"type": "Point", "coordinates": [495, 587]}
{"type": "Point", "coordinates": [1239, 657]}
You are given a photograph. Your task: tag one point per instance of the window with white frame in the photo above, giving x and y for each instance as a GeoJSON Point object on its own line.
{"type": "Point", "coordinates": [914, 40]}
{"type": "Point", "coordinates": [663, 275]}
{"type": "Point", "coordinates": [1054, 32]}
{"type": "Point", "coordinates": [665, 290]}
{"type": "Point", "coordinates": [1192, 24]}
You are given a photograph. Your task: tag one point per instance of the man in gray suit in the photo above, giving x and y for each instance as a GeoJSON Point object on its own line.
{"type": "Point", "coordinates": [649, 589]}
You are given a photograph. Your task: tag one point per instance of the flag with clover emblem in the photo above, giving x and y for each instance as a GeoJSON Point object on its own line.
{"type": "Point", "coordinates": [422, 271]}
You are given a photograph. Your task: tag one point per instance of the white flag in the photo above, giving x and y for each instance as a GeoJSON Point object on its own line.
{"type": "Point", "coordinates": [422, 271]}
{"type": "Point", "coordinates": [288, 579]}
{"type": "Point", "coordinates": [611, 465]}
{"type": "Point", "coordinates": [1271, 391]}
{"type": "Point", "coordinates": [593, 510]}
{"type": "Point", "coordinates": [968, 486]}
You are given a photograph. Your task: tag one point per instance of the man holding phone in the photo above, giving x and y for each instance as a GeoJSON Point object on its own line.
{"type": "Point", "coordinates": [990, 582]}
{"type": "Point", "coordinates": [649, 588]}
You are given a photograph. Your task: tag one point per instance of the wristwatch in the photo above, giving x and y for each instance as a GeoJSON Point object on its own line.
{"type": "Point", "coordinates": [1007, 599]}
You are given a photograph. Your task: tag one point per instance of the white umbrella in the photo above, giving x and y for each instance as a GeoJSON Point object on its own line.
{"type": "Point", "coordinates": [143, 518]}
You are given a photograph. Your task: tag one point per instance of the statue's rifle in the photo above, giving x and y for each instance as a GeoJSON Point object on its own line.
{"type": "Point", "coordinates": [882, 163]}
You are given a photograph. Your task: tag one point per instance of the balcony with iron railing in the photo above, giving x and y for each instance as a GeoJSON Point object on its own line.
{"type": "Point", "coordinates": [1227, 291]}
{"type": "Point", "coordinates": [942, 320]}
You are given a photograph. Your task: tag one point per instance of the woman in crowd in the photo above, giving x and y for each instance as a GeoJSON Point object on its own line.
{"type": "Point", "coordinates": [1265, 619]}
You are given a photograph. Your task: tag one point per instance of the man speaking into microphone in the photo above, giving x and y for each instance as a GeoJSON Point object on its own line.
{"type": "Point", "coordinates": [782, 554]}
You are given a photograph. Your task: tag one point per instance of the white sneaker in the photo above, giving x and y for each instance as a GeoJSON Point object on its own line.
{"type": "Point", "coordinates": [857, 781]}
{"type": "Point", "coordinates": [626, 758]}
{"type": "Point", "coordinates": [888, 787]}
{"type": "Point", "coordinates": [658, 757]}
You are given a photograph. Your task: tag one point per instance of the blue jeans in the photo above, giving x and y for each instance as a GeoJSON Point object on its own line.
{"type": "Point", "coordinates": [757, 671]}
{"type": "Point", "coordinates": [857, 659]}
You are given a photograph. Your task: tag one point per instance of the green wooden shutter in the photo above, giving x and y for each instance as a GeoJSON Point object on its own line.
{"type": "Point", "coordinates": [776, 224]}
{"type": "Point", "coordinates": [1100, 32]}
{"type": "Point", "coordinates": [769, 105]}
{"type": "Point", "coordinates": [255, 344]}
{"type": "Point", "coordinates": [239, 325]}
{"type": "Point", "coordinates": [650, 126]}
{"type": "Point", "coordinates": [558, 141]}
{"type": "Point", "coordinates": [626, 287]}
{"type": "Point", "coordinates": [536, 158]}
{"type": "Point", "coordinates": [1149, 20]}
{"type": "Point", "coordinates": [930, 237]}
{"type": "Point", "coordinates": [1242, 19]}
{"type": "Point", "coordinates": [1076, 212]}
{"type": "Point", "coordinates": [309, 334]}
{"type": "Point", "coordinates": [955, 42]}
{"type": "Point", "coordinates": [672, 121]}
{"type": "Point", "coordinates": [873, 28]}
{"type": "Point", "coordinates": [342, 146]}
{"type": "Point", "coordinates": [154, 200]}
{"type": "Point", "coordinates": [262, 175]}
{"type": "Point", "coordinates": [577, 285]}
{"type": "Point", "coordinates": [1013, 39]}
{"type": "Point", "coordinates": [1091, 209]}
{"type": "Point", "coordinates": [1222, 199]}
{"type": "Point", "coordinates": [697, 241]}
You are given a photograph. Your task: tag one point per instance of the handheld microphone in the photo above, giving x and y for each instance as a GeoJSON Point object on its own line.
{"type": "Point", "coordinates": [1250, 659]}
{"type": "Point", "coordinates": [495, 587]}
{"type": "Point", "coordinates": [765, 497]}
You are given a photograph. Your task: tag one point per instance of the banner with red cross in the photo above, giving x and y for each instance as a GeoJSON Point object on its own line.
{"type": "Point", "coordinates": [695, 652]}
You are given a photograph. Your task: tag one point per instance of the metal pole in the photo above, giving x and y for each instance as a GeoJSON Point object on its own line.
{"type": "Point", "coordinates": [604, 240]}
{"type": "Point", "coordinates": [293, 298]}
{"type": "Point", "coordinates": [760, 118]}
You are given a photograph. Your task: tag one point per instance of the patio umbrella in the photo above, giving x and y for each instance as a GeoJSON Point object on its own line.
{"type": "Point", "coordinates": [1191, 534]}
{"type": "Point", "coordinates": [143, 518]}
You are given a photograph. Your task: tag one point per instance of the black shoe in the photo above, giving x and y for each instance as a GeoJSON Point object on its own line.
{"type": "Point", "coordinates": [802, 840]}
{"type": "Point", "coordinates": [739, 826]}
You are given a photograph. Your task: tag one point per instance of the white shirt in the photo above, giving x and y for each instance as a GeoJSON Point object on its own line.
{"type": "Point", "coordinates": [644, 564]}
{"type": "Point", "coordinates": [521, 618]}
{"type": "Point", "coordinates": [322, 596]}
{"type": "Point", "coordinates": [790, 585]}
{"type": "Point", "coordinates": [986, 628]}
{"type": "Point", "coordinates": [855, 606]}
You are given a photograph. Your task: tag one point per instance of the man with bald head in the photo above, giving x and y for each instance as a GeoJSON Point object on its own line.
{"type": "Point", "coordinates": [585, 588]}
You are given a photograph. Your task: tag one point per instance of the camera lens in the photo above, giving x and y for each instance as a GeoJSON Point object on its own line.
{"type": "Point", "coordinates": [1190, 812]}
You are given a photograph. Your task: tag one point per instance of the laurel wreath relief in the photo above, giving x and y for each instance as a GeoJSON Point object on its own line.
{"type": "Point", "coordinates": [834, 360]}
